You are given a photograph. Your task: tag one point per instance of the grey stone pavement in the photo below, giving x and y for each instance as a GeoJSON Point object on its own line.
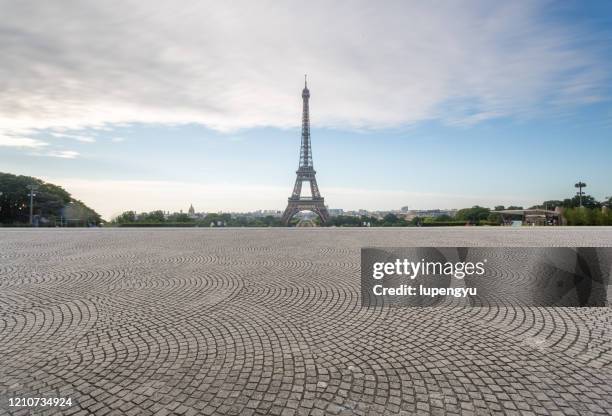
{"type": "Point", "coordinates": [268, 321]}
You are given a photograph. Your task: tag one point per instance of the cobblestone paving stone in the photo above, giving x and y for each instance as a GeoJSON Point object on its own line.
{"type": "Point", "coordinates": [268, 321]}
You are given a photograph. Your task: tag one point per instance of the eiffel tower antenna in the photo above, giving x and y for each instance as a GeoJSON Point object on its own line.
{"type": "Point", "coordinates": [305, 173]}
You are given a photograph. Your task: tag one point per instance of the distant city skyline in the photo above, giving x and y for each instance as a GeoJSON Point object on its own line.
{"type": "Point", "coordinates": [445, 106]}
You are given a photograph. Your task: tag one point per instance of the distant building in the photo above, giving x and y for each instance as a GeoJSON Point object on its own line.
{"type": "Point", "coordinates": [430, 213]}
{"type": "Point", "coordinates": [334, 212]}
{"type": "Point", "coordinates": [272, 212]}
{"type": "Point", "coordinates": [532, 216]}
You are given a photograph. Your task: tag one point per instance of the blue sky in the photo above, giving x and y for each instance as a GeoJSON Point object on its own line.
{"type": "Point", "coordinates": [440, 106]}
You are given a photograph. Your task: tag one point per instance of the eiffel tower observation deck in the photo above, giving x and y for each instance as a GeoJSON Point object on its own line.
{"type": "Point", "coordinates": [305, 173]}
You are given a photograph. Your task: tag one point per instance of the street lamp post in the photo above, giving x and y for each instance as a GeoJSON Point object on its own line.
{"type": "Point", "coordinates": [580, 185]}
{"type": "Point", "coordinates": [32, 188]}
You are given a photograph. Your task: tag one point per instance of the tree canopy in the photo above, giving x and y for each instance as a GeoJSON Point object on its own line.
{"type": "Point", "coordinates": [53, 205]}
{"type": "Point", "coordinates": [473, 215]}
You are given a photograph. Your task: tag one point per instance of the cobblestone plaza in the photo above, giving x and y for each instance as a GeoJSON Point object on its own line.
{"type": "Point", "coordinates": [268, 321]}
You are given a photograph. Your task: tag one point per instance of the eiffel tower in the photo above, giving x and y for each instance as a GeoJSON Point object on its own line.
{"type": "Point", "coordinates": [305, 172]}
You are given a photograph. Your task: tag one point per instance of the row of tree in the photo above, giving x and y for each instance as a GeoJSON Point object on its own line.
{"type": "Point", "coordinates": [590, 213]}
{"type": "Point", "coordinates": [159, 219]}
{"type": "Point", "coordinates": [587, 216]}
{"type": "Point", "coordinates": [587, 201]}
{"type": "Point", "coordinates": [52, 204]}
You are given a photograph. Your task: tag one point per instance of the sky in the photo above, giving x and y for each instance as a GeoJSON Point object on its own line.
{"type": "Point", "coordinates": [133, 105]}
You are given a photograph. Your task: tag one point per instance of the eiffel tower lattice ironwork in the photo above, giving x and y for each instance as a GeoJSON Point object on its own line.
{"type": "Point", "coordinates": [305, 173]}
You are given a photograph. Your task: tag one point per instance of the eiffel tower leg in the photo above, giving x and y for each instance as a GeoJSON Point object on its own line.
{"type": "Point", "coordinates": [324, 215]}
{"type": "Point", "coordinates": [322, 212]}
{"type": "Point", "coordinates": [290, 211]}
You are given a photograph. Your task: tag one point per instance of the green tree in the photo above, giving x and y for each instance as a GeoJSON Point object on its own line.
{"type": "Point", "coordinates": [180, 217]}
{"type": "Point", "coordinates": [443, 218]}
{"type": "Point", "coordinates": [126, 217]}
{"type": "Point", "coordinates": [416, 221]}
{"type": "Point", "coordinates": [494, 218]}
{"type": "Point", "coordinates": [587, 216]}
{"type": "Point", "coordinates": [588, 201]}
{"type": "Point", "coordinates": [473, 215]}
{"type": "Point", "coordinates": [390, 220]}
{"type": "Point", "coordinates": [271, 221]}
{"type": "Point", "coordinates": [51, 203]}
{"type": "Point", "coordinates": [345, 221]}
{"type": "Point", "coordinates": [152, 217]}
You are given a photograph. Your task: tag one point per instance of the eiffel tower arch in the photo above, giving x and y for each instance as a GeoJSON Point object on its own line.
{"type": "Point", "coordinates": [305, 173]}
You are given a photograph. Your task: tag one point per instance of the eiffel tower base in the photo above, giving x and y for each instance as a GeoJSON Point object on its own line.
{"type": "Point", "coordinates": [296, 205]}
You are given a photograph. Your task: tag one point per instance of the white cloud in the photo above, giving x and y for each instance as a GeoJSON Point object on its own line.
{"type": "Point", "coordinates": [63, 154]}
{"type": "Point", "coordinates": [77, 137]}
{"type": "Point", "coordinates": [230, 65]}
{"type": "Point", "coordinates": [25, 142]}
